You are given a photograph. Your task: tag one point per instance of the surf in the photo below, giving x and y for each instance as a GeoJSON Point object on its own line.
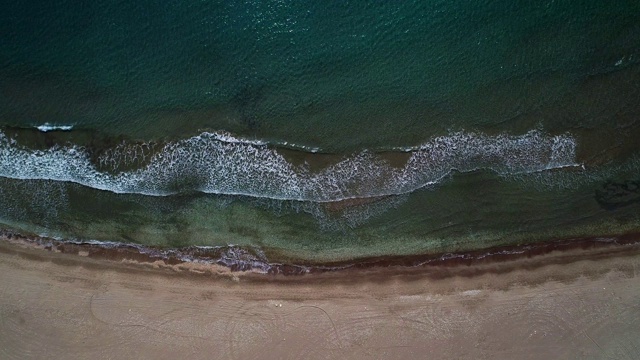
{"type": "Point", "coordinates": [46, 127]}
{"type": "Point", "coordinates": [219, 163]}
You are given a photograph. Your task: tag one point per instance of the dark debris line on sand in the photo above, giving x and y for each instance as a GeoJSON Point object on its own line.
{"type": "Point", "coordinates": [237, 258]}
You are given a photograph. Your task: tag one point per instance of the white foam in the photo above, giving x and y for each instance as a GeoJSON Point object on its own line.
{"type": "Point", "coordinates": [229, 138]}
{"type": "Point", "coordinates": [299, 147]}
{"type": "Point", "coordinates": [50, 127]}
{"type": "Point", "coordinates": [221, 164]}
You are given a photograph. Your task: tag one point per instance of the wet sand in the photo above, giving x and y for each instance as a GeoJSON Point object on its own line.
{"type": "Point", "coordinates": [578, 303]}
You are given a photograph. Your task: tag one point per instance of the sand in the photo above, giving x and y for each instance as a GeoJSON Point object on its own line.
{"type": "Point", "coordinates": [582, 305]}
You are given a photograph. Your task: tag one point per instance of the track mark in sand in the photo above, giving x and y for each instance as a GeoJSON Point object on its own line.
{"type": "Point", "coordinates": [440, 319]}
{"type": "Point", "coordinates": [15, 338]}
{"type": "Point", "coordinates": [571, 297]}
{"type": "Point", "coordinates": [314, 333]}
{"type": "Point", "coordinates": [405, 324]}
{"type": "Point", "coordinates": [632, 351]}
{"type": "Point", "coordinates": [247, 326]}
{"type": "Point", "coordinates": [333, 324]}
{"type": "Point", "coordinates": [593, 341]}
{"type": "Point", "coordinates": [142, 326]}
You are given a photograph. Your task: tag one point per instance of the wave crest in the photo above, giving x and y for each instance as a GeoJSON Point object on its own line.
{"type": "Point", "coordinates": [221, 164]}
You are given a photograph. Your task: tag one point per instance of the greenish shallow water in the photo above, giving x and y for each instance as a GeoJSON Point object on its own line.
{"type": "Point", "coordinates": [320, 131]}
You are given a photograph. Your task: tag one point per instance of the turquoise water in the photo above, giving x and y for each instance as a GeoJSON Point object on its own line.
{"type": "Point", "coordinates": [320, 130]}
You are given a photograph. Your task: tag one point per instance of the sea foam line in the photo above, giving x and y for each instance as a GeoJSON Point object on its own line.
{"type": "Point", "coordinates": [220, 164]}
{"type": "Point", "coordinates": [50, 127]}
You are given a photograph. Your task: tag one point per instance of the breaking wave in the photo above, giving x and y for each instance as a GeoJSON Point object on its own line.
{"type": "Point", "coordinates": [221, 164]}
{"type": "Point", "coordinates": [46, 127]}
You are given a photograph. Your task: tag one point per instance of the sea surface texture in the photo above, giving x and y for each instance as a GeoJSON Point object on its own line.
{"type": "Point", "coordinates": [320, 131]}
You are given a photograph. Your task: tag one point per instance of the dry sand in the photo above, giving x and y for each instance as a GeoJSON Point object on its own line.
{"type": "Point", "coordinates": [556, 306]}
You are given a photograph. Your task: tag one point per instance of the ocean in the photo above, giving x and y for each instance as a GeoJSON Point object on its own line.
{"type": "Point", "coordinates": [317, 132]}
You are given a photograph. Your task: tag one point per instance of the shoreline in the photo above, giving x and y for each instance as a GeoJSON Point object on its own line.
{"type": "Point", "coordinates": [250, 263]}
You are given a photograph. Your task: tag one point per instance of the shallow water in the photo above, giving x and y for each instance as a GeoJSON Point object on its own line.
{"type": "Point", "coordinates": [321, 132]}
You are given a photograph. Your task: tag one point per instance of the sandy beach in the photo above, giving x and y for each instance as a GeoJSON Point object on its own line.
{"type": "Point", "coordinates": [577, 304]}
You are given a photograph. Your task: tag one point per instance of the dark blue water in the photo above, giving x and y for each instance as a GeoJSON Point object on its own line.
{"type": "Point", "coordinates": [326, 129]}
